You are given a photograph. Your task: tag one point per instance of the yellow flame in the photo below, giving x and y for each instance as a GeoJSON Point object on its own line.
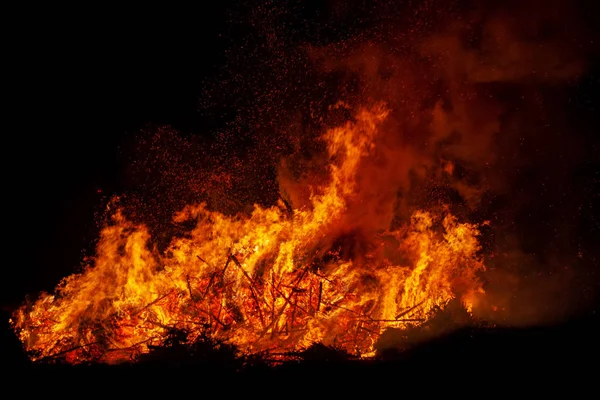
{"type": "Point", "coordinates": [255, 281]}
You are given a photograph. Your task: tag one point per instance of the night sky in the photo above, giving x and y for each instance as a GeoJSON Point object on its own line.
{"type": "Point", "coordinates": [79, 85]}
{"type": "Point", "coordinates": [82, 84]}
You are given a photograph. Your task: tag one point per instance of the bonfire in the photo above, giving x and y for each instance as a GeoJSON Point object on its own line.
{"type": "Point", "coordinates": [276, 280]}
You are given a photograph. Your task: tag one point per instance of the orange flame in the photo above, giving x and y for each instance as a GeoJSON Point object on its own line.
{"type": "Point", "coordinates": [259, 281]}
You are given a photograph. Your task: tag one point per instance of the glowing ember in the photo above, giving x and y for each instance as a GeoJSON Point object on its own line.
{"type": "Point", "coordinates": [263, 281]}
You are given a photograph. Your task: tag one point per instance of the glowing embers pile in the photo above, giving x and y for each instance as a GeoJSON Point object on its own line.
{"type": "Point", "coordinates": [261, 282]}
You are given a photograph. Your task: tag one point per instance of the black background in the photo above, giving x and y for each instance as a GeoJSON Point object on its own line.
{"type": "Point", "coordinates": [79, 84]}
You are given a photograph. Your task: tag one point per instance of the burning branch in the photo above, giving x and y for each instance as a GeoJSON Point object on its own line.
{"type": "Point", "coordinates": [320, 294]}
{"type": "Point", "coordinates": [153, 302]}
{"type": "Point", "coordinates": [189, 286]}
{"type": "Point", "coordinates": [62, 353]}
{"type": "Point", "coordinates": [210, 282]}
{"type": "Point", "coordinates": [396, 320]}
{"type": "Point", "coordinates": [252, 290]}
{"type": "Point", "coordinates": [408, 310]}
{"type": "Point", "coordinates": [203, 260]}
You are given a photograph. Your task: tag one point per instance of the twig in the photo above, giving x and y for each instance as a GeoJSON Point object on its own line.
{"type": "Point", "coordinates": [275, 320]}
{"type": "Point", "coordinates": [203, 260]}
{"type": "Point", "coordinates": [310, 300]}
{"type": "Point", "coordinates": [358, 326]}
{"type": "Point", "coordinates": [301, 277]}
{"type": "Point", "coordinates": [320, 294]}
{"type": "Point", "coordinates": [217, 318]}
{"type": "Point", "coordinates": [210, 282]}
{"type": "Point", "coordinates": [344, 308]}
{"type": "Point", "coordinates": [369, 330]}
{"type": "Point", "coordinates": [226, 265]}
{"type": "Point", "coordinates": [183, 321]}
{"type": "Point", "coordinates": [287, 302]}
{"type": "Point", "coordinates": [293, 311]}
{"type": "Point", "coordinates": [69, 350]}
{"type": "Point", "coordinates": [189, 286]}
{"type": "Point", "coordinates": [322, 276]}
{"type": "Point", "coordinates": [273, 303]}
{"type": "Point", "coordinates": [132, 346]}
{"type": "Point", "coordinates": [288, 299]}
{"type": "Point", "coordinates": [153, 302]}
{"type": "Point", "coordinates": [236, 262]}
{"type": "Point", "coordinates": [396, 320]}
{"type": "Point", "coordinates": [409, 310]}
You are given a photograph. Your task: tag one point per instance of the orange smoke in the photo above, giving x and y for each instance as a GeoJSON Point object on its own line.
{"type": "Point", "coordinates": [279, 278]}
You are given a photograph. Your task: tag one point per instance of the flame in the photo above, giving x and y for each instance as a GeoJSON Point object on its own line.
{"type": "Point", "coordinates": [260, 282]}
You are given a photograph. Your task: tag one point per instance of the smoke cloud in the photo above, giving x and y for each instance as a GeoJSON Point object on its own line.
{"type": "Point", "coordinates": [477, 95]}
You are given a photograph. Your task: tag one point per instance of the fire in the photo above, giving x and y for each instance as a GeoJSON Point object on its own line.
{"type": "Point", "coordinates": [262, 281]}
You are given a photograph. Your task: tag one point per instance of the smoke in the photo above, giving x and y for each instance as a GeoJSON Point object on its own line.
{"type": "Point", "coordinates": [477, 94]}
{"type": "Point", "coordinates": [474, 114]}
